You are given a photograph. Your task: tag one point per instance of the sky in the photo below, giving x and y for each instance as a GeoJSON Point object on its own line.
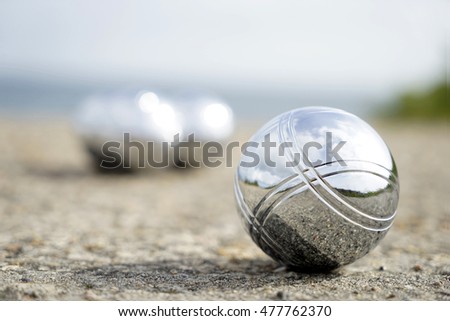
{"type": "Point", "coordinates": [376, 46]}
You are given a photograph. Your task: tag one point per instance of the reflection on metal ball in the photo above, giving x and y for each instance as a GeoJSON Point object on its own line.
{"type": "Point", "coordinates": [149, 117]}
{"type": "Point", "coordinates": [323, 194]}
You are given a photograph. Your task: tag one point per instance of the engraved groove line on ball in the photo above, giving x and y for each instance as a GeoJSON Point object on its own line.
{"type": "Point", "coordinates": [292, 192]}
{"type": "Point", "coordinates": [273, 191]}
{"type": "Point", "coordinates": [265, 206]}
{"type": "Point", "coordinates": [322, 182]}
{"type": "Point", "coordinates": [261, 233]}
{"type": "Point", "coordinates": [300, 171]}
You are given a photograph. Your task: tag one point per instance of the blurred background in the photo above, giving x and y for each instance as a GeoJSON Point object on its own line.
{"type": "Point", "coordinates": [263, 57]}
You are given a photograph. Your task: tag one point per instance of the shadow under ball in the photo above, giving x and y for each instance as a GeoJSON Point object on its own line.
{"type": "Point", "coordinates": [323, 200]}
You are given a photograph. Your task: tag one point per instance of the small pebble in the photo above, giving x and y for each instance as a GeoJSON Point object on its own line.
{"type": "Point", "coordinates": [417, 268]}
{"type": "Point", "coordinates": [281, 295]}
{"type": "Point", "coordinates": [436, 284]}
{"type": "Point", "coordinates": [26, 280]}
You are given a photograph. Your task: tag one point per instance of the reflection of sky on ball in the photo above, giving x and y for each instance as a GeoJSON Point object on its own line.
{"type": "Point", "coordinates": [161, 115]}
{"type": "Point", "coordinates": [152, 116]}
{"type": "Point", "coordinates": [216, 115]}
{"type": "Point", "coordinates": [362, 144]}
{"type": "Point", "coordinates": [148, 101]}
{"type": "Point", "coordinates": [207, 117]}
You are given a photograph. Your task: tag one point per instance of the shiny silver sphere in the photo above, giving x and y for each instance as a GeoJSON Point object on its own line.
{"type": "Point", "coordinates": [150, 117]}
{"type": "Point", "coordinates": [323, 195]}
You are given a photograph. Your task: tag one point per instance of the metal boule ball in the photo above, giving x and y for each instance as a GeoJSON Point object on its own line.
{"type": "Point", "coordinates": [317, 188]}
{"type": "Point", "coordinates": [138, 124]}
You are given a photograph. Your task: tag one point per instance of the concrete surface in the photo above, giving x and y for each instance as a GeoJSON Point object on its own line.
{"type": "Point", "coordinates": [69, 233]}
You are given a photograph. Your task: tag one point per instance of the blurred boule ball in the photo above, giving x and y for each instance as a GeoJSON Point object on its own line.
{"type": "Point", "coordinates": [149, 116]}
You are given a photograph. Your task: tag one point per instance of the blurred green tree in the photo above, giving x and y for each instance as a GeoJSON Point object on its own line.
{"type": "Point", "coordinates": [433, 104]}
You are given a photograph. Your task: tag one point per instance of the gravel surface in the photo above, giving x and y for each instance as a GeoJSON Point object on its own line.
{"type": "Point", "coordinates": [70, 233]}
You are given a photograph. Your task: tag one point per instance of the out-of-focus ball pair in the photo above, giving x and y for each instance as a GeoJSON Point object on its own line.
{"type": "Point", "coordinates": [148, 116]}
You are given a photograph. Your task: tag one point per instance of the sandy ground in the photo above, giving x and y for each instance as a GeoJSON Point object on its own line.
{"type": "Point", "coordinates": [69, 233]}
